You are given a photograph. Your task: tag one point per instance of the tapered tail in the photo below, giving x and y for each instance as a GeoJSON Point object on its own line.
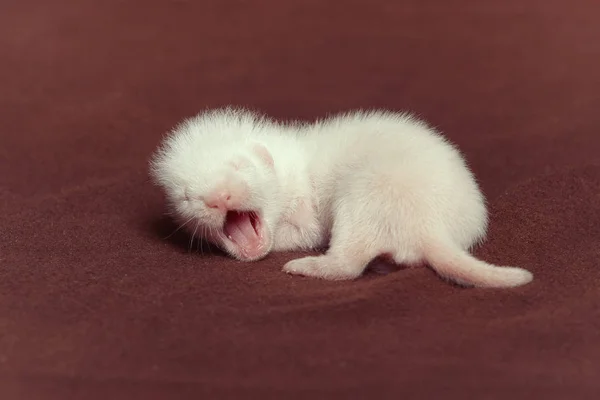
{"type": "Point", "coordinates": [458, 265]}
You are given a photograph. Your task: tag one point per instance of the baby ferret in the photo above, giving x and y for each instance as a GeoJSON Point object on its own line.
{"type": "Point", "coordinates": [361, 184]}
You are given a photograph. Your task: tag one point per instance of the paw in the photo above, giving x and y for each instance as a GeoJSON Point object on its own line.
{"type": "Point", "coordinates": [307, 266]}
{"type": "Point", "coordinates": [322, 267]}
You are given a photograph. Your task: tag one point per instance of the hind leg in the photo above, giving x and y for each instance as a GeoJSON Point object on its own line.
{"type": "Point", "coordinates": [353, 245]}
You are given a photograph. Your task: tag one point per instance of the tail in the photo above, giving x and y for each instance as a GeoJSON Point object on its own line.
{"type": "Point", "coordinates": [458, 265]}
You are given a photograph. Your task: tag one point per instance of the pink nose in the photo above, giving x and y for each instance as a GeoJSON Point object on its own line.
{"type": "Point", "coordinates": [219, 200]}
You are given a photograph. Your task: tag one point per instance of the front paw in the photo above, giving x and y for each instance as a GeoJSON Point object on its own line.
{"type": "Point", "coordinates": [307, 266]}
{"type": "Point", "coordinates": [318, 267]}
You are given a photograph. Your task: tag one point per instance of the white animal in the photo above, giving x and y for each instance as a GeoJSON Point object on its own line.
{"type": "Point", "coordinates": [364, 184]}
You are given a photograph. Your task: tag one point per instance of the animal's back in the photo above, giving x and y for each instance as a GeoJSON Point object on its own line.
{"type": "Point", "coordinates": [400, 158]}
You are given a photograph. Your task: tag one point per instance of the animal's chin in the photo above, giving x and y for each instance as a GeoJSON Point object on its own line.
{"type": "Point", "coordinates": [244, 235]}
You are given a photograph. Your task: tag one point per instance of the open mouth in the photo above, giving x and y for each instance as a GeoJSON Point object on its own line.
{"type": "Point", "coordinates": [243, 230]}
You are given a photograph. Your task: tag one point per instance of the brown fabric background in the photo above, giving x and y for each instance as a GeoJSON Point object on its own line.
{"type": "Point", "coordinates": [96, 304]}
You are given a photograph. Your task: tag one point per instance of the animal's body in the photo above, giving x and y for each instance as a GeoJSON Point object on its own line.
{"type": "Point", "coordinates": [361, 184]}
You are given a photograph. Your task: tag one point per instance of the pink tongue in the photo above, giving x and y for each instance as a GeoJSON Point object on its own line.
{"type": "Point", "coordinates": [239, 229]}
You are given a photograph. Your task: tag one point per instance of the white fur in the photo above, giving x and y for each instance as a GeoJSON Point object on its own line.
{"type": "Point", "coordinates": [364, 184]}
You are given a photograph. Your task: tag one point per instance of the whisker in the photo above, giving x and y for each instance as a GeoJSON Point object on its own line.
{"type": "Point", "coordinates": [178, 228]}
{"type": "Point", "coordinates": [193, 236]}
{"type": "Point", "coordinates": [210, 248]}
{"type": "Point", "coordinates": [211, 233]}
{"type": "Point", "coordinates": [201, 244]}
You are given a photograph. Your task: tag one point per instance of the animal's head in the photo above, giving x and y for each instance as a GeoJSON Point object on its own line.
{"type": "Point", "coordinates": [221, 182]}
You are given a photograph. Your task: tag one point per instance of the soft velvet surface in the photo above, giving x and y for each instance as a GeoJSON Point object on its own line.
{"type": "Point", "coordinates": [95, 303]}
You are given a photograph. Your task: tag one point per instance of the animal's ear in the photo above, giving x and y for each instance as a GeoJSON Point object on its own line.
{"type": "Point", "coordinates": [263, 153]}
